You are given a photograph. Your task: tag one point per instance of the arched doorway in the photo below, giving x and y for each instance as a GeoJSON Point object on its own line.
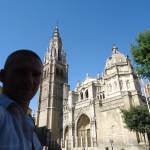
{"type": "Point", "coordinates": [83, 131]}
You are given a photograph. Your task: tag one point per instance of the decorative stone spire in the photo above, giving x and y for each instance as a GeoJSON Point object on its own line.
{"type": "Point", "coordinates": [55, 50]}
{"type": "Point", "coordinates": [55, 85]}
{"type": "Point", "coordinates": [114, 49]}
{"type": "Point", "coordinates": [56, 32]}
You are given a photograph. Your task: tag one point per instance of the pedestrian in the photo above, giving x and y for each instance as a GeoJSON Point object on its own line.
{"type": "Point", "coordinates": [20, 79]}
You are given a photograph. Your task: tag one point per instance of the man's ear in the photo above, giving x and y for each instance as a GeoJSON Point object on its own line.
{"type": "Point", "coordinates": [2, 75]}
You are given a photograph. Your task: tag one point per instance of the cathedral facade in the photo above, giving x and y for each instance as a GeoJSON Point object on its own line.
{"type": "Point", "coordinates": [89, 117]}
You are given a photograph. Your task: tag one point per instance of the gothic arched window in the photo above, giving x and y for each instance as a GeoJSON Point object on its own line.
{"type": "Point", "coordinates": [59, 54]}
{"type": "Point", "coordinates": [81, 95]}
{"type": "Point", "coordinates": [100, 103]}
{"type": "Point", "coordinates": [103, 95]}
{"type": "Point", "coordinates": [86, 94]}
{"type": "Point", "coordinates": [100, 96]}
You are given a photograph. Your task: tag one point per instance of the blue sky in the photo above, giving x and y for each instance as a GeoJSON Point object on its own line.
{"type": "Point", "coordinates": [88, 29]}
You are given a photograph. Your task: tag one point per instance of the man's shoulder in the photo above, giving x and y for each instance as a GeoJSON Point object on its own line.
{"type": "Point", "coordinates": [5, 101]}
{"type": "Point", "coordinates": [3, 113]}
{"type": "Point", "coordinates": [2, 109]}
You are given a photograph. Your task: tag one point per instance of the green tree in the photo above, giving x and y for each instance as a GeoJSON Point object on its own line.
{"type": "Point", "coordinates": [141, 54]}
{"type": "Point", "coordinates": [137, 119]}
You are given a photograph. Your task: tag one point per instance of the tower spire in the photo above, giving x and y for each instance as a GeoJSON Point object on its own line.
{"type": "Point", "coordinates": [56, 32]}
{"type": "Point", "coordinates": [55, 49]}
{"type": "Point", "coordinates": [55, 75]}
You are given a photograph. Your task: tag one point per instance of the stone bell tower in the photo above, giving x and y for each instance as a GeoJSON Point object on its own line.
{"type": "Point", "coordinates": [55, 74]}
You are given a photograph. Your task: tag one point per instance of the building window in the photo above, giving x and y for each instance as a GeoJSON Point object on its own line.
{"type": "Point", "coordinates": [81, 96]}
{"type": "Point", "coordinates": [86, 94]}
{"type": "Point", "coordinates": [100, 96]}
{"type": "Point", "coordinates": [103, 95]}
{"type": "Point", "coordinates": [100, 103]}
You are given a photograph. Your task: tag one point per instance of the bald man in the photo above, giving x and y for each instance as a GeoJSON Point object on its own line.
{"type": "Point", "coordinates": [20, 78]}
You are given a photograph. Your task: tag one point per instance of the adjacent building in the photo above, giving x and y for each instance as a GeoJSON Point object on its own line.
{"type": "Point", "coordinates": [90, 116]}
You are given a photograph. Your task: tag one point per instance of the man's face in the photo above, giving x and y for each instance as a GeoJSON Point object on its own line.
{"type": "Point", "coordinates": [21, 78]}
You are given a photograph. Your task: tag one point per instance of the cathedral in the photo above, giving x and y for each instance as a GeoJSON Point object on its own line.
{"type": "Point", "coordinates": [88, 118]}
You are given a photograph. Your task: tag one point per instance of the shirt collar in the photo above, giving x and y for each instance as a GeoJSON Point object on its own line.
{"type": "Point", "coordinates": [5, 101]}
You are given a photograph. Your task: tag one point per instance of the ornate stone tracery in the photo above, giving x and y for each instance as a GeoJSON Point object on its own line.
{"type": "Point", "coordinates": [88, 117]}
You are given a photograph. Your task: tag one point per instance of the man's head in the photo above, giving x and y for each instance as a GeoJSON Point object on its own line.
{"type": "Point", "coordinates": [21, 75]}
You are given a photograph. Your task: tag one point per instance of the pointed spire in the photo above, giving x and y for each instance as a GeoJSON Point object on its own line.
{"type": "Point", "coordinates": [56, 32]}
{"type": "Point", "coordinates": [114, 49]}
{"type": "Point", "coordinates": [55, 49]}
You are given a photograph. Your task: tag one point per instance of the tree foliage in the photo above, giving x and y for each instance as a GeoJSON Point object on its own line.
{"type": "Point", "coordinates": [137, 119]}
{"type": "Point", "coordinates": [141, 54]}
